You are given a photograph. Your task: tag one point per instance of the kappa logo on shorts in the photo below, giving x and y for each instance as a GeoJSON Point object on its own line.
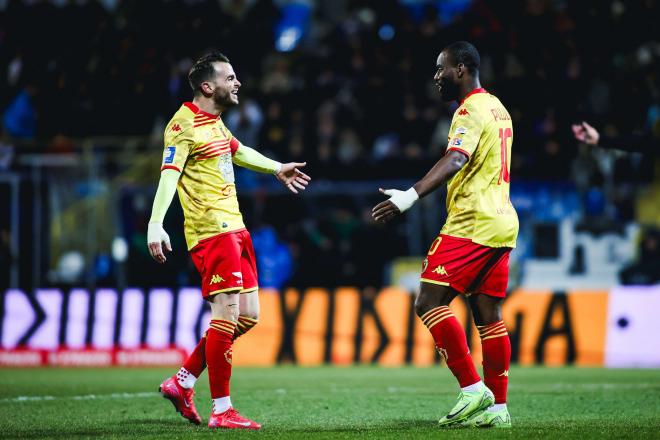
{"type": "Point", "coordinates": [215, 279]}
{"type": "Point", "coordinates": [440, 270]}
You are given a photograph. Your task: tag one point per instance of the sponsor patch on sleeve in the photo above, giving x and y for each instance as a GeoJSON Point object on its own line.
{"type": "Point", "coordinates": [456, 142]}
{"type": "Point", "coordinates": [460, 130]}
{"type": "Point", "coordinates": [170, 152]}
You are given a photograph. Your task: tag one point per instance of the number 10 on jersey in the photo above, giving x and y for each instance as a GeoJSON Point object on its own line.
{"type": "Point", "coordinates": [505, 134]}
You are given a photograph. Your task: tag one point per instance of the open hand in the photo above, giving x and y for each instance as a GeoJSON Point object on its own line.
{"type": "Point", "coordinates": [292, 177]}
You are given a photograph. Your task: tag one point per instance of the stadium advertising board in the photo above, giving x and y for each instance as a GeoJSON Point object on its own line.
{"type": "Point", "coordinates": [158, 327]}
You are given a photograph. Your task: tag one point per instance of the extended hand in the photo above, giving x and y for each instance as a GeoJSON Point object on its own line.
{"type": "Point", "coordinates": [292, 177]}
{"type": "Point", "coordinates": [156, 237]}
{"type": "Point", "coordinates": [586, 133]}
{"type": "Point", "coordinates": [399, 201]}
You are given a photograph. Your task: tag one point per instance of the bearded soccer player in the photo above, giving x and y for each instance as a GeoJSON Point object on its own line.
{"type": "Point", "coordinates": [471, 254]}
{"type": "Point", "coordinates": [198, 162]}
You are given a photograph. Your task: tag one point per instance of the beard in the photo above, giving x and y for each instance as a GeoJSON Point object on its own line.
{"type": "Point", "coordinates": [224, 98]}
{"type": "Point", "coordinates": [449, 91]}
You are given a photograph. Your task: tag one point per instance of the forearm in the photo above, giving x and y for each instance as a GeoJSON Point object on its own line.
{"type": "Point", "coordinates": [164, 194]}
{"type": "Point", "coordinates": [442, 171]}
{"type": "Point", "coordinates": [253, 160]}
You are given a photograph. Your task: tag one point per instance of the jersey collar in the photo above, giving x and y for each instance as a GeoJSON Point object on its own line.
{"type": "Point", "coordinates": [473, 92]}
{"type": "Point", "coordinates": [193, 108]}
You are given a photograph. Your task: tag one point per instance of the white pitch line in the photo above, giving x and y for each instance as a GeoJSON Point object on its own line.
{"type": "Point", "coordinates": [85, 397]}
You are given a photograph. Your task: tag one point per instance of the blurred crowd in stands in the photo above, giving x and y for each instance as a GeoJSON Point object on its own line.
{"type": "Point", "coordinates": [354, 96]}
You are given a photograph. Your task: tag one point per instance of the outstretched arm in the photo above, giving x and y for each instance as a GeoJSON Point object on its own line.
{"type": "Point", "coordinates": [288, 173]}
{"type": "Point", "coordinates": [156, 235]}
{"type": "Point", "coordinates": [636, 143]}
{"type": "Point", "coordinates": [401, 201]}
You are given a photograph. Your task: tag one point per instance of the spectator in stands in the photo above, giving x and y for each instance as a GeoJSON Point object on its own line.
{"type": "Point", "coordinates": [646, 144]}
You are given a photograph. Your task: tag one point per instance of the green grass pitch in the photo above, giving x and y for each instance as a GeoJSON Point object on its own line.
{"type": "Point", "coordinates": [327, 402]}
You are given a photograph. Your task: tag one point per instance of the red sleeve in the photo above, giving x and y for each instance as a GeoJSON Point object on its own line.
{"type": "Point", "coordinates": [233, 145]}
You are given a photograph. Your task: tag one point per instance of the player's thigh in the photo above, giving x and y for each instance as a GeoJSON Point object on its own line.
{"type": "Point", "coordinates": [486, 309]}
{"type": "Point", "coordinates": [249, 304]}
{"type": "Point", "coordinates": [225, 306]}
{"type": "Point", "coordinates": [431, 296]}
{"type": "Point", "coordinates": [248, 264]}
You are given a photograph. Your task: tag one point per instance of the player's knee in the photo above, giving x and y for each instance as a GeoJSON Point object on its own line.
{"type": "Point", "coordinates": [422, 304]}
{"type": "Point", "coordinates": [225, 310]}
{"type": "Point", "coordinates": [250, 305]}
{"type": "Point", "coordinates": [251, 314]}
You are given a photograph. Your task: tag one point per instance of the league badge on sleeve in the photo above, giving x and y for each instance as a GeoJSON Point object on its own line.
{"type": "Point", "coordinates": [456, 142]}
{"type": "Point", "coordinates": [460, 130]}
{"type": "Point", "coordinates": [170, 152]}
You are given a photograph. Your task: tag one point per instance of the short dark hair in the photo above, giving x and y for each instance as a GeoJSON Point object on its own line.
{"type": "Point", "coordinates": [466, 53]}
{"type": "Point", "coordinates": [203, 70]}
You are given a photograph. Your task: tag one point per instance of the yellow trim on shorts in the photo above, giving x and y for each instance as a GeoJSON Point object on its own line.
{"type": "Point", "coordinates": [440, 283]}
{"type": "Point", "coordinates": [248, 290]}
{"type": "Point", "coordinates": [215, 292]}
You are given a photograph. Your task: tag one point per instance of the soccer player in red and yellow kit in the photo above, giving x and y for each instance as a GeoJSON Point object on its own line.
{"type": "Point", "coordinates": [198, 163]}
{"type": "Point", "coordinates": [471, 254]}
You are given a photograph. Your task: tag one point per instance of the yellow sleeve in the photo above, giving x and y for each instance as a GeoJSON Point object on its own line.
{"type": "Point", "coordinates": [253, 160]}
{"type": "Point", "coordinates": [178, 144]}
{"type": "Point", "coordinates": [465, 130]}
{"type": "Point", "coordinates": [164, 195]}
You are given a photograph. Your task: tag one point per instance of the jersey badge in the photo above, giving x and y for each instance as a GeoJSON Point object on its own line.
{"type": "Point", "coordinates": [170, 152]}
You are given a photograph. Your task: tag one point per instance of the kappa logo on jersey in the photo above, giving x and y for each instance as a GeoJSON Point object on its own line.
{"type": "Point", "coordinates": [425, 264]}
{"type": "Point", "coordinates": [170, 152]}
{"type": "Point", "coordinates": [463, 112]}
{"type": "Point", "coordinates": [460, 130]}
{"type": "Point", "coordinates": [215, 279]}
{"type": "Point", "coordinates": [176, 127]}
{"type": "Point", "coordinates": [440, 270]}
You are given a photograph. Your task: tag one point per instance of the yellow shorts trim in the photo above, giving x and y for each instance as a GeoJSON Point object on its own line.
{"type": "Point", "coordinates": [228, 289]}
{"type": "Point", "coordinates": [440, 283]}
{"type": "Point", "coordinates": [251, 289]}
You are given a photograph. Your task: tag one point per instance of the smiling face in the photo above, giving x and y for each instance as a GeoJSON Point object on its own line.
{"type": "Point", "coordinates": [224, 85]}
{"type": "Point", "coordinates": [446, 77]}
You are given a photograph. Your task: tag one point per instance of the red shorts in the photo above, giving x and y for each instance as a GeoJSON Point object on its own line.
{"type": "Point", "coordinates": [226, 263]}
{"type": "Point", "coordinates": [466, 266]}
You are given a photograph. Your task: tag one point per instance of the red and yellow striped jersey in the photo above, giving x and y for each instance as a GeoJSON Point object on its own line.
{"type": "Point", "coordinates": [199, 146]}
{"type": "Point", "coordinates": [478, 204]}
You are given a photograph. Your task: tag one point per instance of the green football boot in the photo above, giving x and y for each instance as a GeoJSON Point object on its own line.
{"type": "Point", "coordinates": [490, 419]}
{"type": "Point", "coordinates": [469, 403]}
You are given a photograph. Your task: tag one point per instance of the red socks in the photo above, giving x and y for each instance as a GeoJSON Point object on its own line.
{"type": "Point", "coordinates": [219, 340]}
{"type": "Point", "coordinates": [451, 342]}
{"type": "Point", "coordinates": [496, 349]}
{"type": "Point", "coordinates": [196, 362]}
{"type": "Point", "coordinates": [244, 325]}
